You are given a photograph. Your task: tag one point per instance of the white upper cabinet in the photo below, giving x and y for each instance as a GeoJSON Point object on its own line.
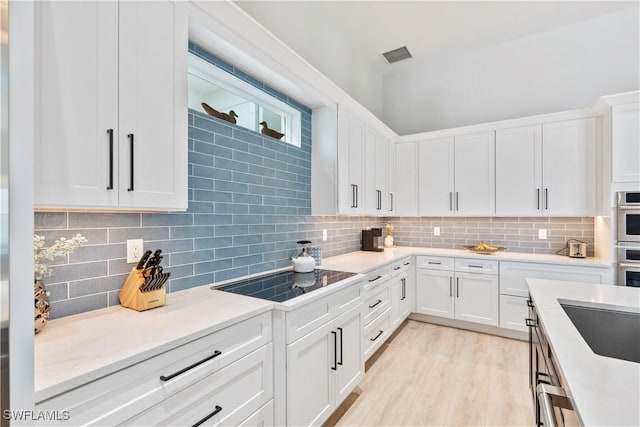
{"type": "Point", "coordinates": [519, 171]}
{"type": "Point", "coordinates": [546, 169]}
{"type": "Point", "coordinates": [475, 174]}
{"type": "Point", "coordinates": [375, 167]}
{"type": "Point", "coordinates": [351, 192]}
{"type": "Point", "coordinates": [625, 139]}
{"type": "Point", "coordinates": [436, 175]}
{"type": "Point", "coordinates": [406, 185]}
{"type": "Point", "coordinates": [456, 175]}
{"type": "Point", "coordinates": [568, 167]}
{"type": "Point", "coordinates": [105, 71]}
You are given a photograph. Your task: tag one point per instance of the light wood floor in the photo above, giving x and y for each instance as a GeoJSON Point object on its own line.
{"type": "Point", "coordinates": [439, 376]}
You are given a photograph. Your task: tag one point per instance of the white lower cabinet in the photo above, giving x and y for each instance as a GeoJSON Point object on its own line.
{"type": "Point", "coordinates": [514, 290]}
{"type": "Point", "coordinates": [323, 367]}
{"type": "Point", "coordinates": [401, 296]}
{"type": "Point", "coordinates": [231, 369]}
{"type": "Point", "coordinates": [462, 295]}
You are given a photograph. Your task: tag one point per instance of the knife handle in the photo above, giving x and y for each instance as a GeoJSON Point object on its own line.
{"type": "Point", "coordinates": [143, 260]}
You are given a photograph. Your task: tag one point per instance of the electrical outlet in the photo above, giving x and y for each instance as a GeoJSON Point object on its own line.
{"type": "Point", "coordinates": [134, 250]}
{"type": "Point", "coordinates": [324, 234]}
{"type": "Point", "coordinates": [436, 231]}
{"type": "Point", "coordinates": [542, 233]}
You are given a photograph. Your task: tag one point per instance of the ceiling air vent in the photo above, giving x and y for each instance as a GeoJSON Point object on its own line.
{"type": "Point", "coordinates": [396, 55]}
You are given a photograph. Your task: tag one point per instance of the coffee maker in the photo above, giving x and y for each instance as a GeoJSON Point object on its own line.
{"type": "Point", "coordinates": [370, 240]}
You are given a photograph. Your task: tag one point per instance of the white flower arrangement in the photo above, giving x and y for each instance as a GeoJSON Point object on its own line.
{"type": "Point", "coordinates": [61, 247]}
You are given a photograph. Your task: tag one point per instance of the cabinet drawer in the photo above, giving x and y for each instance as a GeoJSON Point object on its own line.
{"type": "Point", "coordinates": [348, 298]}
{"type": "Point", "coordinates": [513, 275]}
{"type": "Point", "coordinates": [376, 333]}
{"type": "Point", "coordinates": [476, 266]}
{"type": "Point", "coordinates": [119, 396]}
{"type": "Point", "coordinates": [305, 319]}
{"type": "Point", "coordinates": [401, 265]}
{"type": "Point", "coordinates": [435, 262]}
{"type": "Point", "coordinates": [375, 277]}
{"type": "Point", "coordinates": [231, 394]}
{"type": "Point", "coordinates": [376, 301]}
{"type": "Point", "coordinates": [513, 311]}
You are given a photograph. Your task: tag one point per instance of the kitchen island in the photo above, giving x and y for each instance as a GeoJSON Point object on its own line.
{"type": "Point", "coordinates": [603, 390]}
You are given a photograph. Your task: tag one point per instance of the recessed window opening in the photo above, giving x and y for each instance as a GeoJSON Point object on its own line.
{"type": "Point", "coordinates": [224, 92]}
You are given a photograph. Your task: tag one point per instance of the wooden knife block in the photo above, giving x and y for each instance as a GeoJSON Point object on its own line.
{"type": "Point", "coordinates": [131, 296]}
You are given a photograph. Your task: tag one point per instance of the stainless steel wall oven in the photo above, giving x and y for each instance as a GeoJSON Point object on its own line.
{"type": "Point", "coordinates": [628, 225]}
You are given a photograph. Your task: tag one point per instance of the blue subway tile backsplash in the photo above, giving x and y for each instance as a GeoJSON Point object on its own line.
{"type": "Point", "coordinates": [249, 202]}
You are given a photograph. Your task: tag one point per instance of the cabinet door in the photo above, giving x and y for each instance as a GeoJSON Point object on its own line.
{"type": "Point", "coordinates": [390, 204]}
{"type": "Point", "coordinates": [350, 165]}
{"type": "Point", "coordinates": [568, 167]}
{"type": "Point", "coordinates": [625, 143]}
{"type": "Point", "coordinates": [513, 311]}
{"type": "Point", "coordinates": [309, 381]}
{"type": "Point", "coordinates": [406, 179]}
{"type": "Point", "coordinates": [153, 104]}
{"type": "Point", "coordinates": [375, 167]}
{"type": "Point", "coordinates": [436, 177]}
{"type": "Point", "coordinates": [519, 171]}
{"type": "Point", "coordinates": [76, 103]}
{"type": "Point", "coordinates": [434, 292]}
{"type": "Point", "coordinates": [475, 174]}
{"type": "Point", "coordinates": [350, 357]}
{"type": "Point", "coordinates": [476, 298]}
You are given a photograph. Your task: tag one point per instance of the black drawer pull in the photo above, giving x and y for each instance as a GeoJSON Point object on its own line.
{"type": "Point", "coordinates": [379, 301]}
{"type": "Point", "coordinates": [407, 263]}
{"type": "Point", "coordinates": [529, 303]}
{"type": "Point", "coordinates": [182, 371]}
{"type": "Point", "coordinates": [475, 266]}
{"type": "Point", "coordinates": [397, 268]}
{"type": "Point", "coordinates": [433, 263]}
{"type": "Point", "coordinates": [374, 279]}
{"type": "Point", "coordinates": [377, 336]}
{"type": "Point", "coordinates": [217, 410]}
{"type": "Point", "coordinates": [530, 322]}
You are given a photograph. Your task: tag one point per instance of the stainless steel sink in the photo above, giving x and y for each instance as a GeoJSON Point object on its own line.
{"type": "Point", "coordinates": [609, 331]}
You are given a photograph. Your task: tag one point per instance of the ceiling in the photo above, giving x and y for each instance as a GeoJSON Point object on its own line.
{"type": "Point", "coordinates": [428, 28]}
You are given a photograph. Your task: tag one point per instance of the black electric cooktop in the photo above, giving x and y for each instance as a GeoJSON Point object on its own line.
{"type": "Point", "coordinates": [283, 286]}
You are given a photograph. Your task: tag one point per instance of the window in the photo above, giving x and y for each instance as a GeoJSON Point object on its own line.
{"type": "Point", "coordinates": [224, 92]}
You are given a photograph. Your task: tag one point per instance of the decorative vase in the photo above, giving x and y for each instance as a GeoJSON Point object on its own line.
{"type": "Point", "coordinates": [41, 307]}
{"type": "Point", "coordinates": [388, 241]}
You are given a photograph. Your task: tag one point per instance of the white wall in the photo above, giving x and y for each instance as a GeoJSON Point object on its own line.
{"type": "Point", "coordinates": [562, 69]}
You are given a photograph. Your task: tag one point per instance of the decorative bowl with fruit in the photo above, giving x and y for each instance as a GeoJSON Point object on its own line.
{"type": "Point", "coordinates": [483, 248]}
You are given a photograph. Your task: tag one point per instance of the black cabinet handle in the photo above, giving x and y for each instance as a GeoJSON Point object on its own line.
{"type": "Point", "coordinates": [335, 350]}
{"type": "Point", "coordinates": [530, 322]}
{"type": "Point", "coordinates": [379, 301]}
{"type": "Point", "coordinates": [450, 201]}
{"type": "Point", "coordinates": [353, 195]}
{"type": "Point", "coordinates": [377, 336]}
{"type": "Point", "coordinates": [529, 303]}
{"type": "Point", "coordinates": [457, 287]}
{"type": "Point", "coordinates": [450, 286]}
{"type": "Point", "coordinates": [391, 210]}
{"type": "Point", "coordinates": [407, 263]}
{"type": "Point", "coordinates": [130, 136]}
{"type": "Point", "coordinates": [546, 199]}
{"type": "Point", "coordinates": [404, 289]}
{"type": "Point", "coordinates": [396, 268]}
{"type": "Point", "coordinates": [474, 266]}
{"type": "Point", "coordinates": [110, 132]}
{"type": "Point", "coordinates": [537, 198]}
{"type": "Point", "coordinates": [374, 279]}
{"type": "Point", "coordinates": [434, 263]}
{"type": "Point", "coordinates": [457, 205]}
{"type": "Point", "coordinates": [182, 371]}
{"type": "Point", "coordinates": [216, 410]}
{"type": "Point", "coordinates": [356, 195]}
{"type": "Point", "coordinates": [340, 362]}
{"type": "Point", "coordinates": [379, 200]}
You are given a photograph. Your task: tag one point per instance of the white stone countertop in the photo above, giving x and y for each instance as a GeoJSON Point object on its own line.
{"type": "Point", "coordinates": [77, 349]}
{"type": "Point", "coordinates": [361, 261]}
{"type": "Point", "coordinates": [605, 391]}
